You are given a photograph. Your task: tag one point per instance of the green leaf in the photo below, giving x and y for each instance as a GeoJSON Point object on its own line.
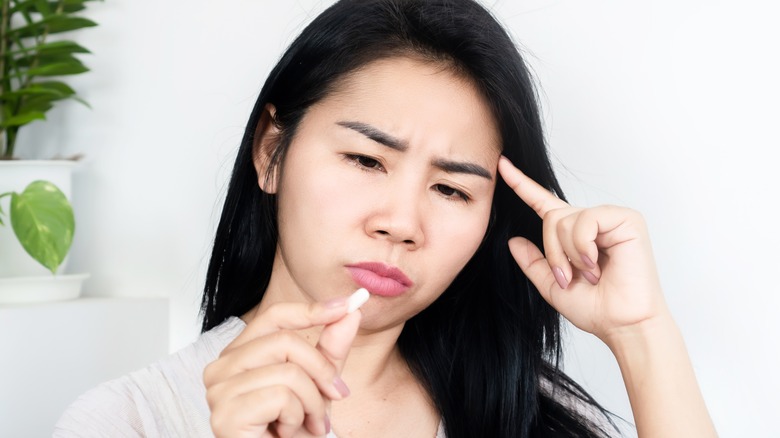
{"type": "Point", "coordinates": [60, 47]}
{"type": "Point", "coordinates": [82, 101]}
{"type": "Point", "coordinates": [44, 7]}
{"type": "Point", "coordinates": [70, 6]}
{"type": "Point", "coordinates": [73, 8]}
{"type": "Point", "coordinates": [38, 6]}
{"type": "Point", "coordinates": [27, 91]}
{"type": "Point", "coordinates": [43, 221]}
{"type": "Point", "coordinates": [47, 59]}
{"type": "Point", "coordinates": [22, 6]}
{"type": "Point", "coordinates": [23, 119]}
{"type": "Point", "coordinates": [54, 24]}
{"type": "Point", "coordinates": [52, 48]}
{"type": "Point", "coordinates": [55, 88]}
{"type": "Point", "coordinates": [41, 103]}
{"type": "Point", "coordinates": [58, 69]}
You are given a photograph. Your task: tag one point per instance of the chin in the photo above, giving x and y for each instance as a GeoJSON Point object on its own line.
{"type": "Point", "coordinates": [376, 319]}
{"type": "Point", "coordinates": [374, 322]}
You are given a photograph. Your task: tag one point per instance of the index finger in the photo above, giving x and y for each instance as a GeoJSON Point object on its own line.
{"type": "Point", "coordinates": [532, 193]}
{"type": "Point", "coordinates": [290, 316]}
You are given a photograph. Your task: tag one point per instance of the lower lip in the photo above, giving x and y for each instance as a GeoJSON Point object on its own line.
{"type": "Point", "coordinates": [377, 284]}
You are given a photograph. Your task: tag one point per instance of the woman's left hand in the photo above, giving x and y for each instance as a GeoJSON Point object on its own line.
{"type": "Point", "coordinates": [599, 271]}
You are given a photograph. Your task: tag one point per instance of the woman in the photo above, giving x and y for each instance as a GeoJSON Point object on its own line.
{"type": "Point", "coordinates": [381, 154]}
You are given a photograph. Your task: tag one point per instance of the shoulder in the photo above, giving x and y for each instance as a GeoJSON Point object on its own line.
{"type": "Point", "coordinates": [111, 409]}
{"type": "Point", "coordinates": [167, 398]}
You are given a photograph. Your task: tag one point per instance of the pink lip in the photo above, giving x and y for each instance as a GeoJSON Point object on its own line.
{"type": "Point", "coordinates": [380, 279]}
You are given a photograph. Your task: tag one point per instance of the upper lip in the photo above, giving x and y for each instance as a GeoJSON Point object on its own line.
{"type": "Point", "coordinates": [384, 270]}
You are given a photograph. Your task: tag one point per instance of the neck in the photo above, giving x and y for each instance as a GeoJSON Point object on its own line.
{"type": "Point", "coordinates": [374, 362]}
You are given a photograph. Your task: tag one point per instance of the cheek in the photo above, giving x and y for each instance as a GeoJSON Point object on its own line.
{"type": "Point", "coordinates": [315, 201]}
{"type": "Point", "coordinates": [458, 238]}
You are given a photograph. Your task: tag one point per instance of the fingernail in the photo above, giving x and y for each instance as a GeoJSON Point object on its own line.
{"type": "Point", "coordinates": [590, 277]}
{"type": "Point", "coordinates": [560, 277]}
{"type": "Point", "coordinates": [340, 386]}
{"type": "Point", "coordinates": [336, 302]}
{"type": "Point", "coordinates": [327, 424]}
{"type": "Point", "coordinates": [588, 262]}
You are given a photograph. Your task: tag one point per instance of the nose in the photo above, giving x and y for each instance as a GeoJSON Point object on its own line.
{"type": "Point", "coordinates": [398, 218]}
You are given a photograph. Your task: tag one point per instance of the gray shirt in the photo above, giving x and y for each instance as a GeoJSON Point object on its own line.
{"type": "Point", "coordinates": [165, 399]}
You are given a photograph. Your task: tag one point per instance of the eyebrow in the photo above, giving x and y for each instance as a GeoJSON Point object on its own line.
{"type": "Point", "coordinates": [462, 167]}
{"type": "Point", "coordinates": [376, 135]}
{"type": "Point", "coordinates": [388, 140]}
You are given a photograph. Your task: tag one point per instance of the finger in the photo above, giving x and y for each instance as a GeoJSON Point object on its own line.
{"type": "Point", "coordinates": [283, 430]}
{"type": "Point", "coordinates": [584, 234]}
{"type": "Point", "coordinates": [534, 265]}
{"type": "Point", "coordinates": [279, 347]}
{"type": "Point", "coordinates": [288, 375]}
{"type": "Point", "coordinates": [577, 237]}
{"type": "Point", "coordinates": [336, 339]}
{"type": "Point", "coordinates": [534, 195]}
{"type": "Point", "coordinates": [616, 225]}
{"type": "Point", "coordinates": [249, 414]}
{"type": "Point", "coordinates": [291, 316]}
{"type": "Point", "coordinates": [554, 251]}
{"type": "Point", "coordinates": [600, 229]}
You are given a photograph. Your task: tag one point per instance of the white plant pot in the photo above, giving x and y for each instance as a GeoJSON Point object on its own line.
{"type": "Point", "coordinates": [17, 268]}
{"type": "Point", "coordinates": [41, 288]}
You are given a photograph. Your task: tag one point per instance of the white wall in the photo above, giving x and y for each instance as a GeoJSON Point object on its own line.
{"type": "Point", "coordinates": [670, 107]}
{"type": "Point", "coordinates": [83, 342]}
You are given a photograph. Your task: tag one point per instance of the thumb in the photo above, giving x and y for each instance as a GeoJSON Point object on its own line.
{"type": "Point", "coordinates": [335, 342]}
{"type": "Point", "coordinates": [336, 339]}
{"type": "Point", "coordinates": [534, 265]}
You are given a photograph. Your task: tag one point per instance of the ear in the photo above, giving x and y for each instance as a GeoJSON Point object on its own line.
{"type": "Point", "coordinates": [266, 141]}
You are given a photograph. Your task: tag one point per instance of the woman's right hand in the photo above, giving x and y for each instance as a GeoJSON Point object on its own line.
{"type": "Point", "coordinates": [271, 382]}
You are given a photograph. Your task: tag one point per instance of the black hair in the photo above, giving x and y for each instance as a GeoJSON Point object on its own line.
{"type": "Point", "coordinates": [487, 351]}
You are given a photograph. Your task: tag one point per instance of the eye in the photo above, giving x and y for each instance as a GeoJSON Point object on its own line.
{"type": "Point", "coordinates": [451, 193]}
{"type": "Point", "coordinates": [364, 162]}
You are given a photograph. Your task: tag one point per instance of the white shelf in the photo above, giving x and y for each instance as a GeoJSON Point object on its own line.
{"type": "Point", "coordinates": [53, 352]}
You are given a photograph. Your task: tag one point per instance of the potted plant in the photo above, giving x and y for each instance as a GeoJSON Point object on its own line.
{"type": "Point", "coordinates": [36, 218]}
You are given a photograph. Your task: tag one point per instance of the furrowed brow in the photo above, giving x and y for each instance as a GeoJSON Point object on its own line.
{"type": "Point", "coordinates": [388, 140]}
{"type": "Point", "coordinates": [462, 167]}
{"type": "Point", "coordinates": [376, 135]}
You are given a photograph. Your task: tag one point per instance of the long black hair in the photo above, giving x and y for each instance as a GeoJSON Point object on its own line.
{"type": "Point", "coordinates": [487, 350]}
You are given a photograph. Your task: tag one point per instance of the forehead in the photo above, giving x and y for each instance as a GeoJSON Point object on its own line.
{"type": "Point", "coordinates": [417, 100]}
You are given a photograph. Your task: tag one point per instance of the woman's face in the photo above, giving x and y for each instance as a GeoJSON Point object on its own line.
{"type": "Point", "coordinates": [387, 185]}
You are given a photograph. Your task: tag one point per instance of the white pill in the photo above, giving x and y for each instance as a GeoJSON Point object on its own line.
{"type": "Point", "coordinates": [357, 299]}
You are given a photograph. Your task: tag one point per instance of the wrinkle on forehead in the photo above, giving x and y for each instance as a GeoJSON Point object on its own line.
{"type": "Point", "coordinates": [352, 86]}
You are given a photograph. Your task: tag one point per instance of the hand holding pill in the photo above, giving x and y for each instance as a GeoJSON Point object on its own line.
{"type": "Point", "coordinates": [270, 379]}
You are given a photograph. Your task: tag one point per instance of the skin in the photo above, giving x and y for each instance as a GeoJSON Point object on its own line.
{"type": "Point", "coordinates": [610, 288]}
{"type": "Point", "coordinates": [344, 197]}
{"type": "Point", "coordinates": [364, 201]}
